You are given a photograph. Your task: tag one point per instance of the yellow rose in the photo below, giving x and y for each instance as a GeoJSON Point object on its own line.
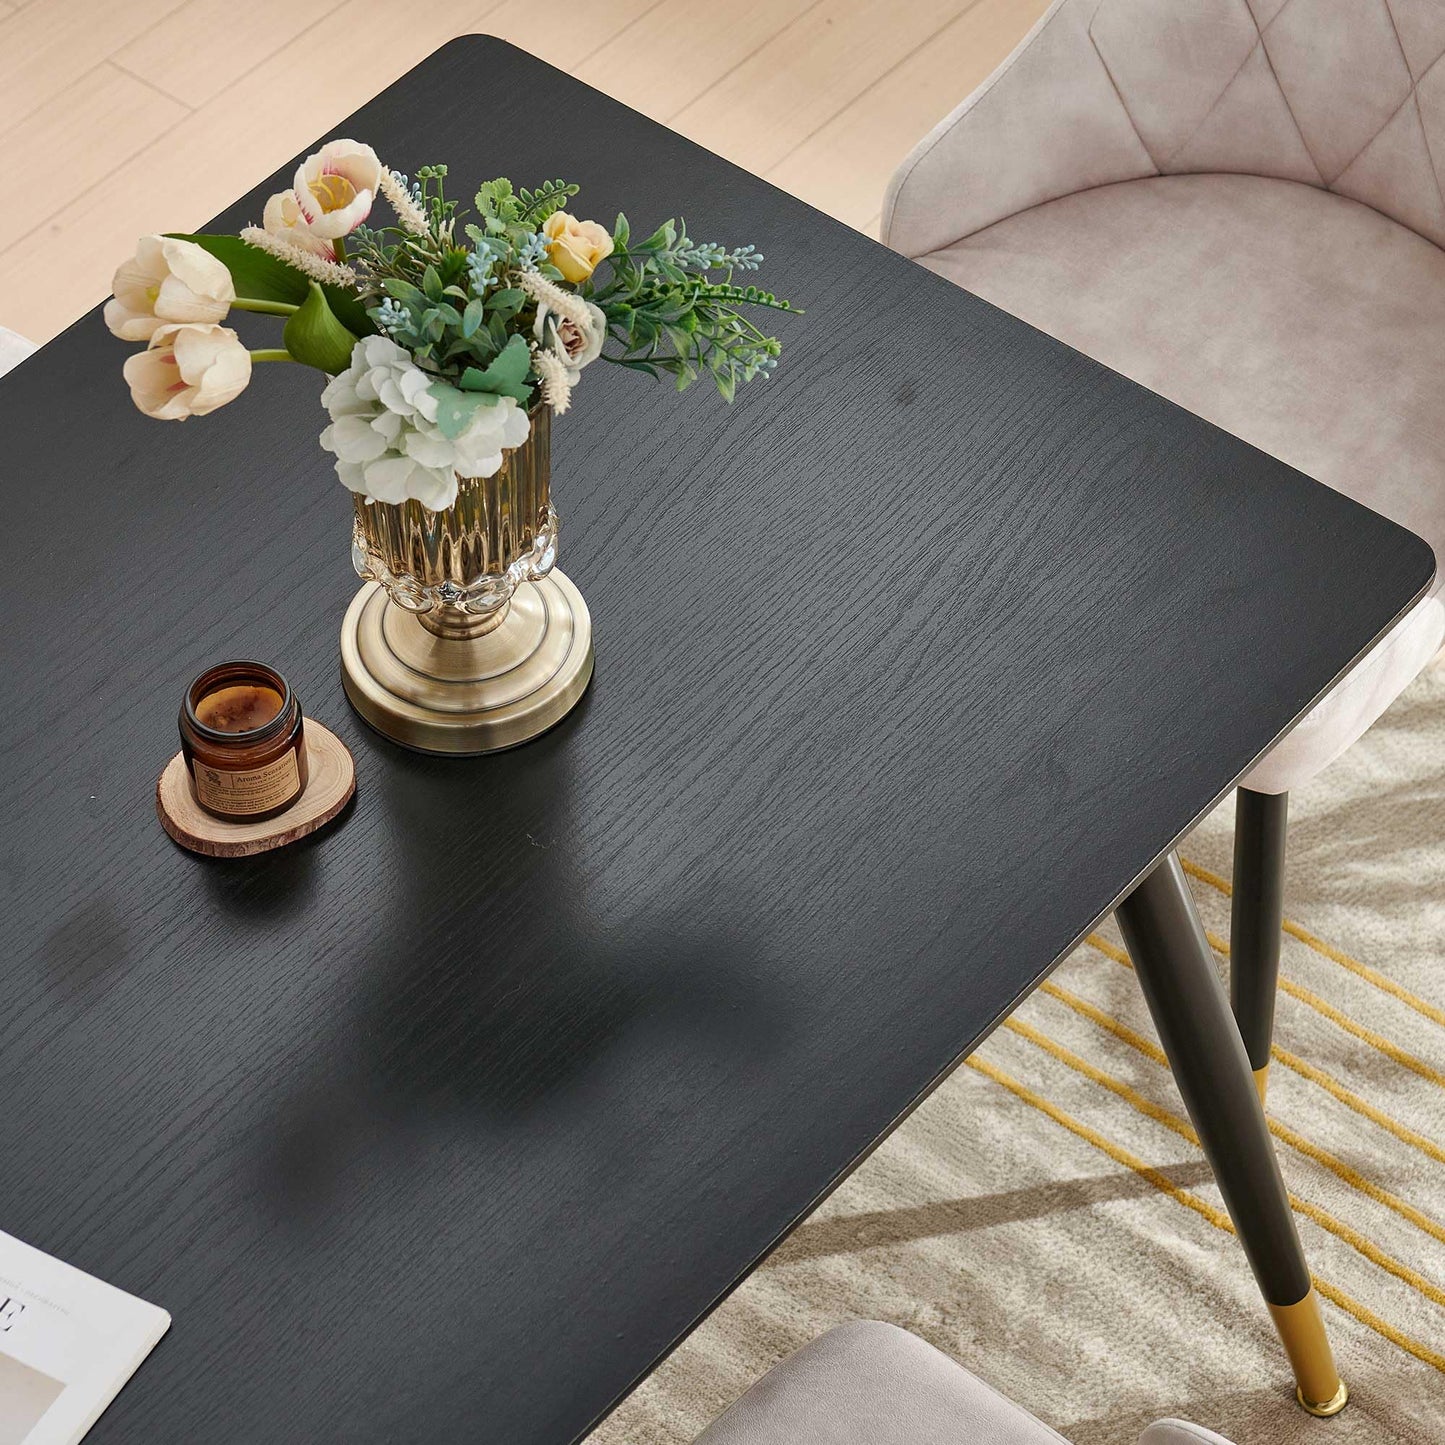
{"type": "Point", "coordinates": [575, 247]}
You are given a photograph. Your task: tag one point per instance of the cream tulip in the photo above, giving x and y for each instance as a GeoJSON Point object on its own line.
{"type": "Point", "coordinates": [167, 280]}
{"type": "Point", "coordinates": [335, 187]}
{"type": "Point", "coordinates": [282, 218]}
{"type": "Point", "coordinates": [188, 370]}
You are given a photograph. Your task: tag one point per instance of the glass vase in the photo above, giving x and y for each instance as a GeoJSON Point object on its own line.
{"type": "Point", "coordinates": [466, 638]}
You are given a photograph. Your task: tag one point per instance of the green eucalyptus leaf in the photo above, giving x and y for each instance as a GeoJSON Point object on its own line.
{"type": "Point", "coordinates": [315, 337]}
{"type": "Point", "coordinates": [506, 301]}
{"type": "Point", "coordinates": [455, 409]}
{"type": "Point", "coordinates": [507, 374]}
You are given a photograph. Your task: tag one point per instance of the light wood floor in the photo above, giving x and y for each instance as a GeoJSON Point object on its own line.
{"type": "Point", "coordinates": [119, 117]}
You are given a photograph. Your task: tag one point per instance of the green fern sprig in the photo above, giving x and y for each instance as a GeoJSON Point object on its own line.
{"type": "Point", "coordinates": [536, 206]}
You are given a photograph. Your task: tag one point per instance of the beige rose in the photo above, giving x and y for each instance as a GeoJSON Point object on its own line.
{"type": "Point", "coordinates": [576, 345]}
{"type": "Point", "coordinates": [575, 247]}
{"type": "Point", "coordinates": [188, 371]}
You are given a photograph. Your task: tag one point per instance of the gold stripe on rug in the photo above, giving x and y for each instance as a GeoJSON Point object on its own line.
{"type": "Point", "coordinates": [1047, 1218]}
{"type": "Point", "coordinates": [1217, 1217]}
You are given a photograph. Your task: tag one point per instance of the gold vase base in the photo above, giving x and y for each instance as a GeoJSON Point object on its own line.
{"type": "Point", "coordinates": [462, 695]}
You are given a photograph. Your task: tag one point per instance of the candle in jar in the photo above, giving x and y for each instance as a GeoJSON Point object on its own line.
{"type": "Point", "coordinates": [244, 741]}
{"type": "Point", "coordinates": [240, 707]}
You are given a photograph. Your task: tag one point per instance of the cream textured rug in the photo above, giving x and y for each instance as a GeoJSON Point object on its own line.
{"type": "Point", "coordinates": [1046, 1219]}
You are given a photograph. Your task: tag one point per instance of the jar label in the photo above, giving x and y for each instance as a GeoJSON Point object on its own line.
{"type": "Point", "coordinates": [256, 791]}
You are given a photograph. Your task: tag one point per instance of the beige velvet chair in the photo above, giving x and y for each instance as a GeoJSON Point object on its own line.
{"type": "Point", "coordinates": [1237, 203]}
{"type": "Point", "coordinates": [873, 1384]}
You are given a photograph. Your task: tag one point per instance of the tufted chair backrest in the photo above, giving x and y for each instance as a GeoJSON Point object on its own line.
{"type": "Point", "coordinates": [1344, 94]}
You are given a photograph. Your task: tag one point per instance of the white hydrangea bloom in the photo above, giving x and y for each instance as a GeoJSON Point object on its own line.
{"type": "Point", "coordinates": [384, 436]}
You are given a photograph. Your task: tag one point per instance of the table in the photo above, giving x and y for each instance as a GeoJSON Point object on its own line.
{"type": "Point", "coordinates": [450, 1123]}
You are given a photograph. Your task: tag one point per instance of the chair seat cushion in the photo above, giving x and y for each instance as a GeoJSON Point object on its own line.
{"type": "Point", "coordinates": [1301, 321]}
{"type": "Point", "coordinates": [868, 1383]}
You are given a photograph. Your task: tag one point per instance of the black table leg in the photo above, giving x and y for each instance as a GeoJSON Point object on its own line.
{"type": "Point", "coordinates": [1176, 970]}
{"type": "Point", "coordinates": [1256, 917]}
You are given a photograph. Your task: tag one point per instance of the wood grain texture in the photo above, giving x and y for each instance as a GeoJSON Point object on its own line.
{"type": "Point", "coordinates": [165, 55]}
{"type": "Point", "coordinates": [844, 165]}
{"type": "Point", "coordinates": [661, 61]}
{"type": "Point", "coordinates": [330, 785]}
{"type": "Point", "coordinates": [178, 180]}
{"type": "Point", "coordinates": [827, 59]}
{"type": "Point", "coordinates": [449, 1124]}
{"type": "Point", "coordinates": [51, 44]}
{"type": "Point", "coordinates": [85, 134]}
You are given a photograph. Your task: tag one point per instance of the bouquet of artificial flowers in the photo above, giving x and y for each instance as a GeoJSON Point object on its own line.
{"type": "Point", "coordinates": [439, 332]}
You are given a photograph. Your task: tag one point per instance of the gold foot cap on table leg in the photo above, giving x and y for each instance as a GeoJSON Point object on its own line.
{"type": "Point", "coordinates": [1261, 1082]}
{"type": "Point", "coordinates": [1332, 1406]}
{"type": "Point", "coordinates": [1301, 1327]}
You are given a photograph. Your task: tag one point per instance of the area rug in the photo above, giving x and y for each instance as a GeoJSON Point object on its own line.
{"type": "Point", "coordinates": [1047, 1219]}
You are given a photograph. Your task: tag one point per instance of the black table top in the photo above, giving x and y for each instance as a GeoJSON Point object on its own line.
{"type": "Point", "coordinates": [448, 1124]}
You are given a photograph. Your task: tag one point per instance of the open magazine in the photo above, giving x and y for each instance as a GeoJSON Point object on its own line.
{"type": "Point", "coordinates": [68, 1342]}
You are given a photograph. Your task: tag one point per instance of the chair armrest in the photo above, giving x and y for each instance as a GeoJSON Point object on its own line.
{"type": "Point", "coordinates": [1046, 123]}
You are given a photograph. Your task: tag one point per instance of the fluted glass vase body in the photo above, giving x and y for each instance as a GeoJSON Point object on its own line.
{"type": "Point", "coordinates": [458, 569]}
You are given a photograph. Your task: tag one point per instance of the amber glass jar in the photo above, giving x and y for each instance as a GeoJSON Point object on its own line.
{"type": "Point", "coordinates": [243, 741]}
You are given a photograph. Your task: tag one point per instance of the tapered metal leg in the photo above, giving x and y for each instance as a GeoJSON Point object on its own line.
{"type": "Point", "coordinates": [1176, 970]}
{"type": "Point", "coordinates": [1256, 918]}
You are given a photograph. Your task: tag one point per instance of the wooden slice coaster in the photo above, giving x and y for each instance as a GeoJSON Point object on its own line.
{"type": "Point", "coordinates": [331, 780]}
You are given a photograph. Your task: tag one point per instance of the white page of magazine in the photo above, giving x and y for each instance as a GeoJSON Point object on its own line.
{"type": "Point", "coordinates": [68, 1342]}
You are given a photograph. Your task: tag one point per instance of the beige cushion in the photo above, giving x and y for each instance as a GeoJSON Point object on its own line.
{"type": "Point", "coordinates": [873, 1384]}
{"type": "Point", "coordinates": [1301, 321]}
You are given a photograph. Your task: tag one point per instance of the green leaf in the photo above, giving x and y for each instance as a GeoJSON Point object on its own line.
{"type": "Point", "coordinates": [455, 409]}
{"type": "Point", "coordinates": [349, 309]}
{"type": "Point", "coordinates": [506, 302]}
{"type": "Point", "coordinates": [535, 206]}
{"type": "Point", "coordinates": [431, 283]}
{"type": "Point", "coordinates": [507, 374]}
{"type": "Point", "coordinates": [472, 317]}
{"type": "Point", "coordinates": [620, 232]}
{"type": "Point", "coordinates": [260, 276]}
{"type": "Point", "coordinates": [494, 200]}
{"type": "Point", "coordinates": [315, 337]}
